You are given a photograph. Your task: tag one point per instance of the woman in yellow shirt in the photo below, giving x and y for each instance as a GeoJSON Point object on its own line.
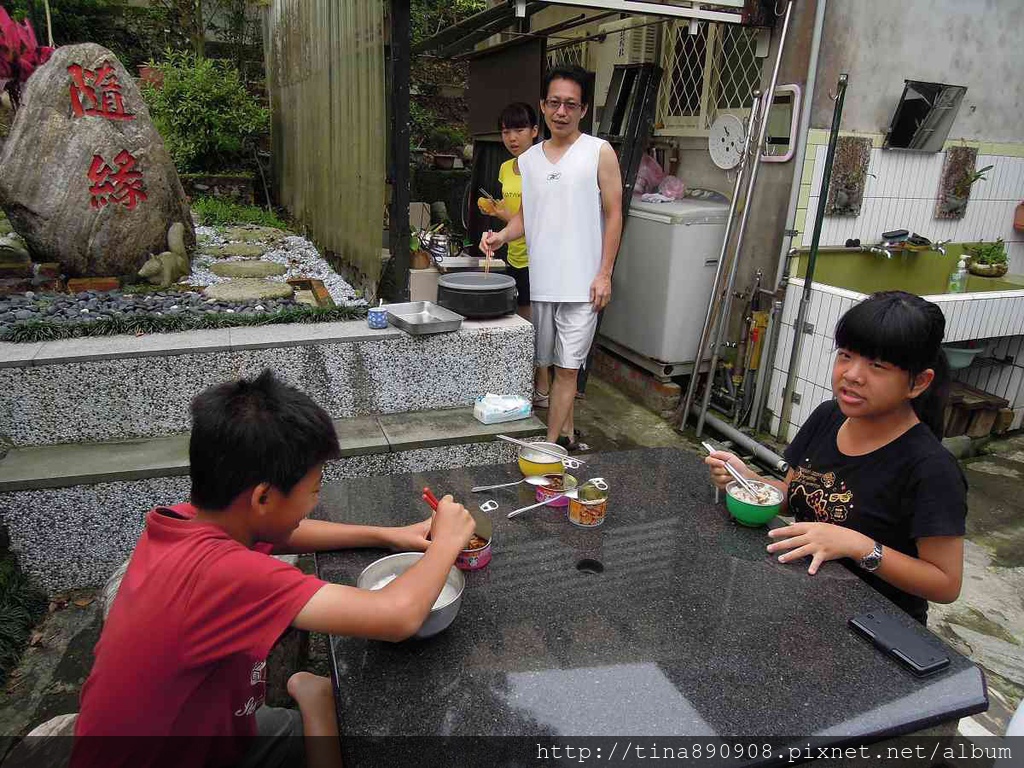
{"type": "Point", "coordinates": [518, 122]}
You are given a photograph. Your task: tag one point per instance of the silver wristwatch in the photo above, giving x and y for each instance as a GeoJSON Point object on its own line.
{"type": "Point", "coordinates": [873, 559]}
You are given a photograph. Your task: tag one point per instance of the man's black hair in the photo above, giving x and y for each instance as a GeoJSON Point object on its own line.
{"type": "Point", "coordinates": [569, 72]}
{"type": "Point", "coordinates": [253, 431]}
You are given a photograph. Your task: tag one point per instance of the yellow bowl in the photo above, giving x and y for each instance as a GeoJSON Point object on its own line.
{"type": "Point", "coordinates": [536, 463]}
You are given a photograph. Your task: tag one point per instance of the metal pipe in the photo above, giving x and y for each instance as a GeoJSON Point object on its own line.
{"type": "Point", "coordinates": [764, 373]}
{"type": "Point", "coordinates": [683, 412]}
{"type": "Point", "coordinates": [762, 133]}
{"type": "Point", "coordinates": [768, 456]}
{"type": "Point", "coordinates": [805, 297]}
{"type": "Point", "coordinates": [801, 137]}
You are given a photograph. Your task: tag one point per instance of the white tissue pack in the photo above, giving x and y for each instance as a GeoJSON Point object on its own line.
{"type": "Point", "coordinates": [494, 409]}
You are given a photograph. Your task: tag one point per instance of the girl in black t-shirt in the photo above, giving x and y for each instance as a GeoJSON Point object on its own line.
{"type": "Point", "coordinates": [869, 479]}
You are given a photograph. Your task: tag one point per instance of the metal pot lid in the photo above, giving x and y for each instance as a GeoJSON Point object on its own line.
{"type": "Point", "coordinates": [476, 281]}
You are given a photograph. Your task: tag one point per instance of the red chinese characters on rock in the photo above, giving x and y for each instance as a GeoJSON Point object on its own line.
{"type": "Point", "coordinates": [119, 186]}
{"type": "Point", "coordinates": [97, 93]}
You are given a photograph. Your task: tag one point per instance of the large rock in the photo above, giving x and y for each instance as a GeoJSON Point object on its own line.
{"type": "Point", "coordinates": [84, 176]}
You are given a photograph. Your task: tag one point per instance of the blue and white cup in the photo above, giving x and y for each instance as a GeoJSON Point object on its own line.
{"type": "Point", "coordinates": [377, 318]}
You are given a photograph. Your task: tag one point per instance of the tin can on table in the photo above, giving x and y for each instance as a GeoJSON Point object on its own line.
{"type": "Point", "coordinates": [589, 507]}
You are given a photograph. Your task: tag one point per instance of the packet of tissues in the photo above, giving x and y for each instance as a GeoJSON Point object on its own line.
{"type": "Point", "coordinates": [494, 409]}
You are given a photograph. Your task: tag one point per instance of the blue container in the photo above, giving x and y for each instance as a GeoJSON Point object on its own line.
{"type": "Point", "coordinates": [377, 318]}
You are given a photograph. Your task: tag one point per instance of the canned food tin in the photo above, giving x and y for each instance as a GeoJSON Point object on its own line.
{"type": "Point", "coordinates": [589, 507]}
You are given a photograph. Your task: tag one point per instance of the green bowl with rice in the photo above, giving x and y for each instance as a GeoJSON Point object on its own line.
{"type": "Point", "coordinates": [748, 510]}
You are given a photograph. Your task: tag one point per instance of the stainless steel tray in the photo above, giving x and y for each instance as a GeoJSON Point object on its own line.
{"type": "Point", "coordinates": [422, 317]}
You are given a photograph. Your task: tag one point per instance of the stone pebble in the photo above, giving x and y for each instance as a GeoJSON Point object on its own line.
{"type": "Point", "coordinates": [89, 305]}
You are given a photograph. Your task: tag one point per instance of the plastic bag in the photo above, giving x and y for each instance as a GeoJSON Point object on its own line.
{"type": "Point", "coordinates": [673, 187]}
{"type": "Point", "coordinates": [648, 177]}
{"type": "Point", "coordinates": [494, 409]}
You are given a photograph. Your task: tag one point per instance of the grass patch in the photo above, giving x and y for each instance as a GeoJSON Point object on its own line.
{"type": "Point", "coordinates": [213, 211]}
{"type": "Point", "coordinates": [21, 605]}
{"type": "Point", "coordinates": [42, 330]}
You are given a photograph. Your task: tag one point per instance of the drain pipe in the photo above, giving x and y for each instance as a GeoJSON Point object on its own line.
{"type": "Point", "coordinates": [758, 451]}
{"type": "Point", "coordinates": [764, 379]}
{"type": "Point", "coordinates": [723, 318]}
{"type": "Point", "coordinates": [805, 297]}
{"type": "Point", "coordinates": [716, 292]}
{"type": "Point", "coordinates": [800, 156]}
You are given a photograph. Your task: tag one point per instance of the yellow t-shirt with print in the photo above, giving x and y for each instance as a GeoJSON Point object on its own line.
{"type": "Point", "coordinates": [512, 195]}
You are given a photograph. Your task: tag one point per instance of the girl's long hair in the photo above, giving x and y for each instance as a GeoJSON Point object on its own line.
{"type": "Point", "coordinates": [906, 331]}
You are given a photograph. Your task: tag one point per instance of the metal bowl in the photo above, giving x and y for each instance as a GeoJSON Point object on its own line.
{"type": "Point", "coordinates": [445, 609]}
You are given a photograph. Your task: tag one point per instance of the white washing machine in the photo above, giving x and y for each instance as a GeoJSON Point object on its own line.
{"type": "Point", "coordinates": [663, 278]}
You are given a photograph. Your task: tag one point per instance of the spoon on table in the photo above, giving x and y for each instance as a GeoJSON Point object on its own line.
{"type": "Point", "coordinates": [566, 495]}
{"type": "Point", "coordinates": [540, 480]}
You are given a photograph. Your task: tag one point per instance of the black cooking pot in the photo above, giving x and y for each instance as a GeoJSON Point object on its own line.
{"type": "Point", "coordinates": [476, 294]}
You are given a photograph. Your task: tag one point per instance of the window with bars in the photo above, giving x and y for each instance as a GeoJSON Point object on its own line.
{"type": "Point", "coordinates": [574, 53]}
{"type": "Point", "coordinates": [712, 70]}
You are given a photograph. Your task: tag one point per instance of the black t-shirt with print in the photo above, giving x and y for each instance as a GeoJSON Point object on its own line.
{"type": "Point", "coordinates": [910, 489]}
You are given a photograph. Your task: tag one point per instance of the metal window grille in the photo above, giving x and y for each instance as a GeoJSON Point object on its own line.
{"type": "Point", "coordinates": [709, 71]}
{"type": "Point", "coordinates": [574, 53]}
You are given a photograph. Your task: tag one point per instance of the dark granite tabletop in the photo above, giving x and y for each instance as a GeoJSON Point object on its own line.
{"type": "Point", "coordinates": [691, 629]}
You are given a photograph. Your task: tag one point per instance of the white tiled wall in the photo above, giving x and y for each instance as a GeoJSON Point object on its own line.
{"type": "Point", "coordinates": [999, 317]}
{"type": "Point", "coordinates": [900, 193]}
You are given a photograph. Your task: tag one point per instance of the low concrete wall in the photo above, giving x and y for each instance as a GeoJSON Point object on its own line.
{"type": "Point", "coordinates": [76, 536]}
{"type": "Point", "coordinates": [123, 387]}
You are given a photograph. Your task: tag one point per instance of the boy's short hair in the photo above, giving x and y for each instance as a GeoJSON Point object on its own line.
{"type": "Point", "coordinates": [251, 431]}
{"type": "Point", "coordinates": [516, 115]}
{"type": "Point", "coordinates": [569, 72]}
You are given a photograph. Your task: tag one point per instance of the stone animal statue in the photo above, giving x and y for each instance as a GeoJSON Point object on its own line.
{"type": "Point", "coordinates": [170, 266]}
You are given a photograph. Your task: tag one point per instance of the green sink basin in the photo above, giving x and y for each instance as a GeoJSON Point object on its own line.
{"type": "Point", "coordinates": [925, 273]}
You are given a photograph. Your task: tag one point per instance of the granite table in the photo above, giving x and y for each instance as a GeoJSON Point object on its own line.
{"type": "Point", "coordinates": [668, 620]}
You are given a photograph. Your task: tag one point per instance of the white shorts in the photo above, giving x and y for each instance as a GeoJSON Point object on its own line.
{"type": "Point", "coordinates": [564, 331]}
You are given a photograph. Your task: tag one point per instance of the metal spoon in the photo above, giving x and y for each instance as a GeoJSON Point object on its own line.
{"type": "Point", "coordinates": [567, 495]}
{"type": "Point", "coordinates": [540, 480]}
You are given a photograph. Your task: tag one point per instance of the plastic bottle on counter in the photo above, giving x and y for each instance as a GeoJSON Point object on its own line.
{"type": "Point", "coordinates": [958, 278]}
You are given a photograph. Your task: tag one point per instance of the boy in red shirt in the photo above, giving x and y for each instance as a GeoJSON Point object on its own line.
{"type": "Point", "coordinates": [183, 651]}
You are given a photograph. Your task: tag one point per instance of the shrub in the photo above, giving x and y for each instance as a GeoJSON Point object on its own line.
{"type": "Point", "coordinates": [204, 113]}
{"type": "Point", "coordinates": [20, 606]}
{"type": "Point", "coordinates": [213, 211]}
{"type": "Point", "coordinates": [988, 253]}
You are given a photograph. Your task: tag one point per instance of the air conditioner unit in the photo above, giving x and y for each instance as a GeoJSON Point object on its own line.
{"type": "Point", "coordinates": [629, 41]}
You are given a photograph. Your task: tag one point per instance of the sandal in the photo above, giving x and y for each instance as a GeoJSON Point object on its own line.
{"type": "Point", "coordinates": [540, 400]}
{"type": "Point", "coordinates": [570, 443]}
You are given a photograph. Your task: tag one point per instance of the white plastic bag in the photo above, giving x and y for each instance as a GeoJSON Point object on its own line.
{"type": "Point", "coordinates": [495, 409]}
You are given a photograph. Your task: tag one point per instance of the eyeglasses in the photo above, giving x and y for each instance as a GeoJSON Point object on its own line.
{"type": "Point", "coordinates": [555, 104]}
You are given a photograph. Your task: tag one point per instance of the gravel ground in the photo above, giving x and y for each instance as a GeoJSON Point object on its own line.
{"type": "Point", "coordinates": [297, 254]}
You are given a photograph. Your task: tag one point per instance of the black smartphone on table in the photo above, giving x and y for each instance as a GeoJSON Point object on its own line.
{"type": "Point", "coordinates": [900, 642]}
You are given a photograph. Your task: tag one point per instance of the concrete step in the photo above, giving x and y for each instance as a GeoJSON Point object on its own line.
{"type": "Point", "coordinates": [75, 511]}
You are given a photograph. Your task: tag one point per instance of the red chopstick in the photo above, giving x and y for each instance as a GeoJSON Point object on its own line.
{"type": "Point", "coordinates": [430, 498]}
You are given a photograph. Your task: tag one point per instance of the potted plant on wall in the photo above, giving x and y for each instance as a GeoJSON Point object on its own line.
{"type": "Point", "coordinates": [956, 200]}
{"type": "Point", "coordinates": [988, 259]}
{"type": "Point", "coordinates": [443, 142]}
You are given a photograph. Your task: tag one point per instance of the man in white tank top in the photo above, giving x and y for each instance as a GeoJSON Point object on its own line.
{"type": "Point", "coordinates": [572, 217]}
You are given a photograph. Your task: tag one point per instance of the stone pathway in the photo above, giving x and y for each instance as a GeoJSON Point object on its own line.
{"type": "Point", "coordinates": [264, 254]}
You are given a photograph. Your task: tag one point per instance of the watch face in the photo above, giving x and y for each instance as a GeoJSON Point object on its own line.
{"type": "Point", "coordinates": [871, 561]}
